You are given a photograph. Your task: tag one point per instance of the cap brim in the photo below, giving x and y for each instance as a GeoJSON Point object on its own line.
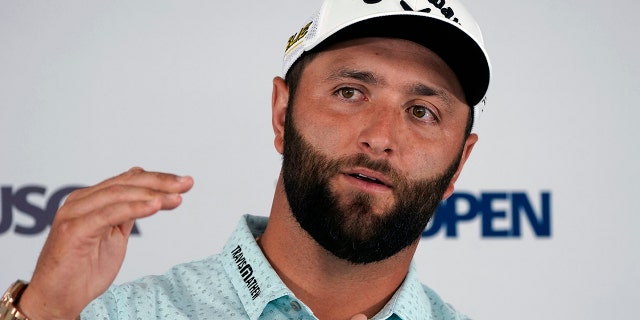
{"type": "Point", "coordinates": [458, 49]}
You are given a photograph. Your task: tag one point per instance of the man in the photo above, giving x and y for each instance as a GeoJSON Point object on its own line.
{"type": "Point", "coordinates": [373, 119]}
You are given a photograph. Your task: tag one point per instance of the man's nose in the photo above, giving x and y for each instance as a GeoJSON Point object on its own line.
{"type": "Point", "coordinates": [379, 133]}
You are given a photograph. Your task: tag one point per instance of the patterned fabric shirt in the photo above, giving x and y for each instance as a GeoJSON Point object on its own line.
{"type": "Point", "coordinates": [239, 283]}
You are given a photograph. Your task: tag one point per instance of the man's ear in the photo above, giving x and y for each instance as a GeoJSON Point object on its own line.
{"type": "Point", "coordinates": [466, 152]}
{"type": "Point", "coordinates": [279, 103]}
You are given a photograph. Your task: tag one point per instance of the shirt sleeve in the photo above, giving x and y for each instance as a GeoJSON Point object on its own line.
{"type": "Point", "coordinates": [103, 307]}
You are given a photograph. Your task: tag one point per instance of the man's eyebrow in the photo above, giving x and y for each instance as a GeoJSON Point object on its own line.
{"type": "Point", "coordinates": [424, 90]}
{"type": "Point", "coordinates": [364, 76]}
{"type": "Point", "coordinates": [419, 89]}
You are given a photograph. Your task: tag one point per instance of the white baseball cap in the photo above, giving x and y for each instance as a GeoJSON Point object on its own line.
{"type": "Point", "coordinates": [443, 26]}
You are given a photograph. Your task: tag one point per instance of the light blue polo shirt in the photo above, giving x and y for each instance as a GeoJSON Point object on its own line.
{"type": "Point", "coordinates": [239, 283]}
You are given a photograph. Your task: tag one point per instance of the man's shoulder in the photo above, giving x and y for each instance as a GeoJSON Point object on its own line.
{"type": "Point", "coordinates": [184, 290]}
{"type": "Point", "coordinates": [207, 271]}
{"type": "Point", "coordinates": [181, 279]}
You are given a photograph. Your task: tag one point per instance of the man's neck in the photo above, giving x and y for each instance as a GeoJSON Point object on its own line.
{"type": "Point", "coordinates": [321, 280]}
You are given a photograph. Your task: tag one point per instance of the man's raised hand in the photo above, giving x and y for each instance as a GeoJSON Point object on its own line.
{"type": "Point", "coordinates": [88, 239]}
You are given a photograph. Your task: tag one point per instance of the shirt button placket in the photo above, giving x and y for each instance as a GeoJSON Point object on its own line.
{"type": "Point", "coordinates": [295, 305]}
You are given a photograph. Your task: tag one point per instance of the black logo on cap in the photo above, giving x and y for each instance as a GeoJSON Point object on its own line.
{"type": "Point", "coordinates": [447, 12]}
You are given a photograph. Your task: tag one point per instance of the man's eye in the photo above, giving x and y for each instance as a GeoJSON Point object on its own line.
{"type": "Point", "coordinates": [347, 93]}
{"type": "Point", "coordinates": [421, 112]}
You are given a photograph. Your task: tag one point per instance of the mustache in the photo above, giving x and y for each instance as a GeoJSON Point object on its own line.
{"type": "Point", "coordinates": [334, 166]}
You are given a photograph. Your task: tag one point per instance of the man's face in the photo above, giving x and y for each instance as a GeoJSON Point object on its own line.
{"type": "Point", "coordinates": [377, 138]}
{"type": "Point", "coordinates": [346, 225]}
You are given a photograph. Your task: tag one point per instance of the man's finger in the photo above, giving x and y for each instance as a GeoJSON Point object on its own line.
{"type": "Point", "coordinates": [119, 214]}
{"type": "Point", "coordinates": [114, 194]}
{"type": "Point", "coordinates": [159, 181]}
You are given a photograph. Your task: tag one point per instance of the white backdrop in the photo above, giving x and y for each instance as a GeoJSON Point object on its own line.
{"type": "Point", "coordinates": [90, 89]}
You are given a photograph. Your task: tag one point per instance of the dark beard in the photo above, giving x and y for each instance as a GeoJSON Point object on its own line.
{"type": "Point", "coordinates": [349, 230]}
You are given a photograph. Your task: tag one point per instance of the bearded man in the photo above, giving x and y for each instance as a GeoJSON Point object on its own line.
{"type": "Point", "coordinates": [374, 119]}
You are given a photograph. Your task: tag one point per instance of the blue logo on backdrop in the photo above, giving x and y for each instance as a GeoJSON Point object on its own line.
{"type": "Point", "coordinates": [501, 214]}
{"type": "Point", "coordinates": [26, 201]}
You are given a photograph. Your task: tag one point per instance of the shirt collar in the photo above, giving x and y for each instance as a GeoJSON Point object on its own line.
{"type": "Point", "coordinates": [257, 284]}
{"type": "Point", "coordinates": [410, 302]}
{"type": "Point", "coordinates": [253, 278]}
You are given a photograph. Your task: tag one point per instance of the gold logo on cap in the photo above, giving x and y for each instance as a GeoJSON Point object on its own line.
{"type": "Point", "coordinates": [296, 37]}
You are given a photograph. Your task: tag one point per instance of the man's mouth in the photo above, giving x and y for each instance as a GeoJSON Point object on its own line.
{"type": "Point", "coordinates": [369, 178]}
{"type": "Point", "coordinates": [365, 178]}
